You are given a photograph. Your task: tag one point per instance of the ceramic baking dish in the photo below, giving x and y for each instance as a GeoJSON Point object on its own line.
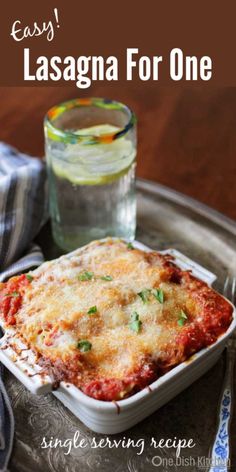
{"type": "Point", "coordinates": [114, 417]}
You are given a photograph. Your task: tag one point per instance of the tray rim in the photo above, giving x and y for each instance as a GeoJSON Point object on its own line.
{"type": "Point", "coordinates": [186, 201]}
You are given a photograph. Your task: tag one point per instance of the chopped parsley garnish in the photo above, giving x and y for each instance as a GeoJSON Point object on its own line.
{"type": "Point", "coordinates": [183, 315]}
{"type": "Point", "coordinates": [130, 246]}
{"type": "Point", "coordinates": [182, 318]}
{"type": "Point", "coordinates": [134, 316]}
{"type": "Point", "coordinates": [92, 310]}
{"type": "Point", "coordinates": [135, 324]}
{"type": "Point", "coordinates": [107, 278]}
{"type": "Point", "coordinates": [144, 294]}
{"type": "Point", "coordinates": [158, 294]}
{"type": "Point", "coordinates": [13, 294]}
{"type": "Point", "coordinates": [86, 276]}
{"type": "Point", "coordinates": [181, 322]}
{"type": "Point", "coordinates": [29, 277]}
{"type": "Point", "coordinates": [84, 345]}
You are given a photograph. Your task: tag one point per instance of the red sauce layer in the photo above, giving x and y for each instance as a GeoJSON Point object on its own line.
{"type": "Point", "coordinates": [11, 298]}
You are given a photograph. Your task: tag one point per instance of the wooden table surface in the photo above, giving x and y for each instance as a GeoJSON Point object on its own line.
{"type": "Point", "coordinates": [186, 136]}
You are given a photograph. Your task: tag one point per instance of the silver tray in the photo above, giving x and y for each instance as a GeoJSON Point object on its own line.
{"type": "Point", "coordinates": [165, 219]}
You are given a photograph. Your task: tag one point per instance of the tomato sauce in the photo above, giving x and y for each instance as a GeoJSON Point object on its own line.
{"type": "Point", "coordinates": [116, 389]}
{"type": "Point", "coordinates": [11, 298]}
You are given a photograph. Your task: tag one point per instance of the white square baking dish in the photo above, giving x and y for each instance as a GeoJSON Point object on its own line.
{"type": "Point", "coordinates": [114, 417]}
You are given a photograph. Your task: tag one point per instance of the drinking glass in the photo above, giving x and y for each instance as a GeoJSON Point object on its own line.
{"type": "Point", "coordinates": [90, 149]}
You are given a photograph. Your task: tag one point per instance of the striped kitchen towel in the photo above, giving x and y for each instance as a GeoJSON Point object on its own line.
{"type": "Point", "coordinates": [22, 203]}
{"type": "Point", "coordinates": [23, 211]}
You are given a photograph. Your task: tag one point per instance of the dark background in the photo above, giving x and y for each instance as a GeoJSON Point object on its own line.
{"type": "Point", "coordinates": [186, 135]}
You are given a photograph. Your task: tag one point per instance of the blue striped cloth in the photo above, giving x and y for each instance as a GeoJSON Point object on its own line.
{"type": "Point", "coordinates": [23, 211]}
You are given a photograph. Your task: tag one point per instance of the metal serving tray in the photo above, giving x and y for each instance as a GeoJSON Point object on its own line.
{"type": "Point", "coordinates": [166, 219]}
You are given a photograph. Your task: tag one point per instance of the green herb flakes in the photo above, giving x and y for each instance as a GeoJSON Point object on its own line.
{"type": "Point", "coordinates": [135, 324]}
{"type": "Point", "coordinates": [107, 278]}
{"type": "Point", "coordinates": [158, 294]}
{"type": "Point", "coordinates": [92, 310]}
{"type": "Point", "coordinates": [86, 276]}
{"type": "Point", "coordinates": [182, 318]}
{"type": "Point", "coordinates": [130, 246]}
{"type": "Point", "coordinates": [84, 345]}
{"type": "Point", "coordinates": [144, 295]}
{"type": "Point", "coordinates": [181, 322]}
{"type": "Point", "coordinates": [29, 277]}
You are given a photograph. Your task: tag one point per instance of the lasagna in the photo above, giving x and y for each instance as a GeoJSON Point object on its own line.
{"type": "Point", "coordinates": [110, 318]}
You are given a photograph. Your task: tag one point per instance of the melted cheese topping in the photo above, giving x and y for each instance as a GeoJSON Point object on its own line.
{"type": "Point", "coordinates": [54, 316]}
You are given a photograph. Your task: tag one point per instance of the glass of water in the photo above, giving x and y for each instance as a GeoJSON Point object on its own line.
{"type": "Point", "coordinates": [91, 158]}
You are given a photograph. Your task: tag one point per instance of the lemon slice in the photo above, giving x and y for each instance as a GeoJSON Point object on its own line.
{"type": "Point", "coordinates": [97, 130]}
{"type": "Point", "coordinates": [96, 164]}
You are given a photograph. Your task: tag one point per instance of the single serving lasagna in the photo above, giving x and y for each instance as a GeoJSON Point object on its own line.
{"type": "Point", "coordinates": [110, 318]}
